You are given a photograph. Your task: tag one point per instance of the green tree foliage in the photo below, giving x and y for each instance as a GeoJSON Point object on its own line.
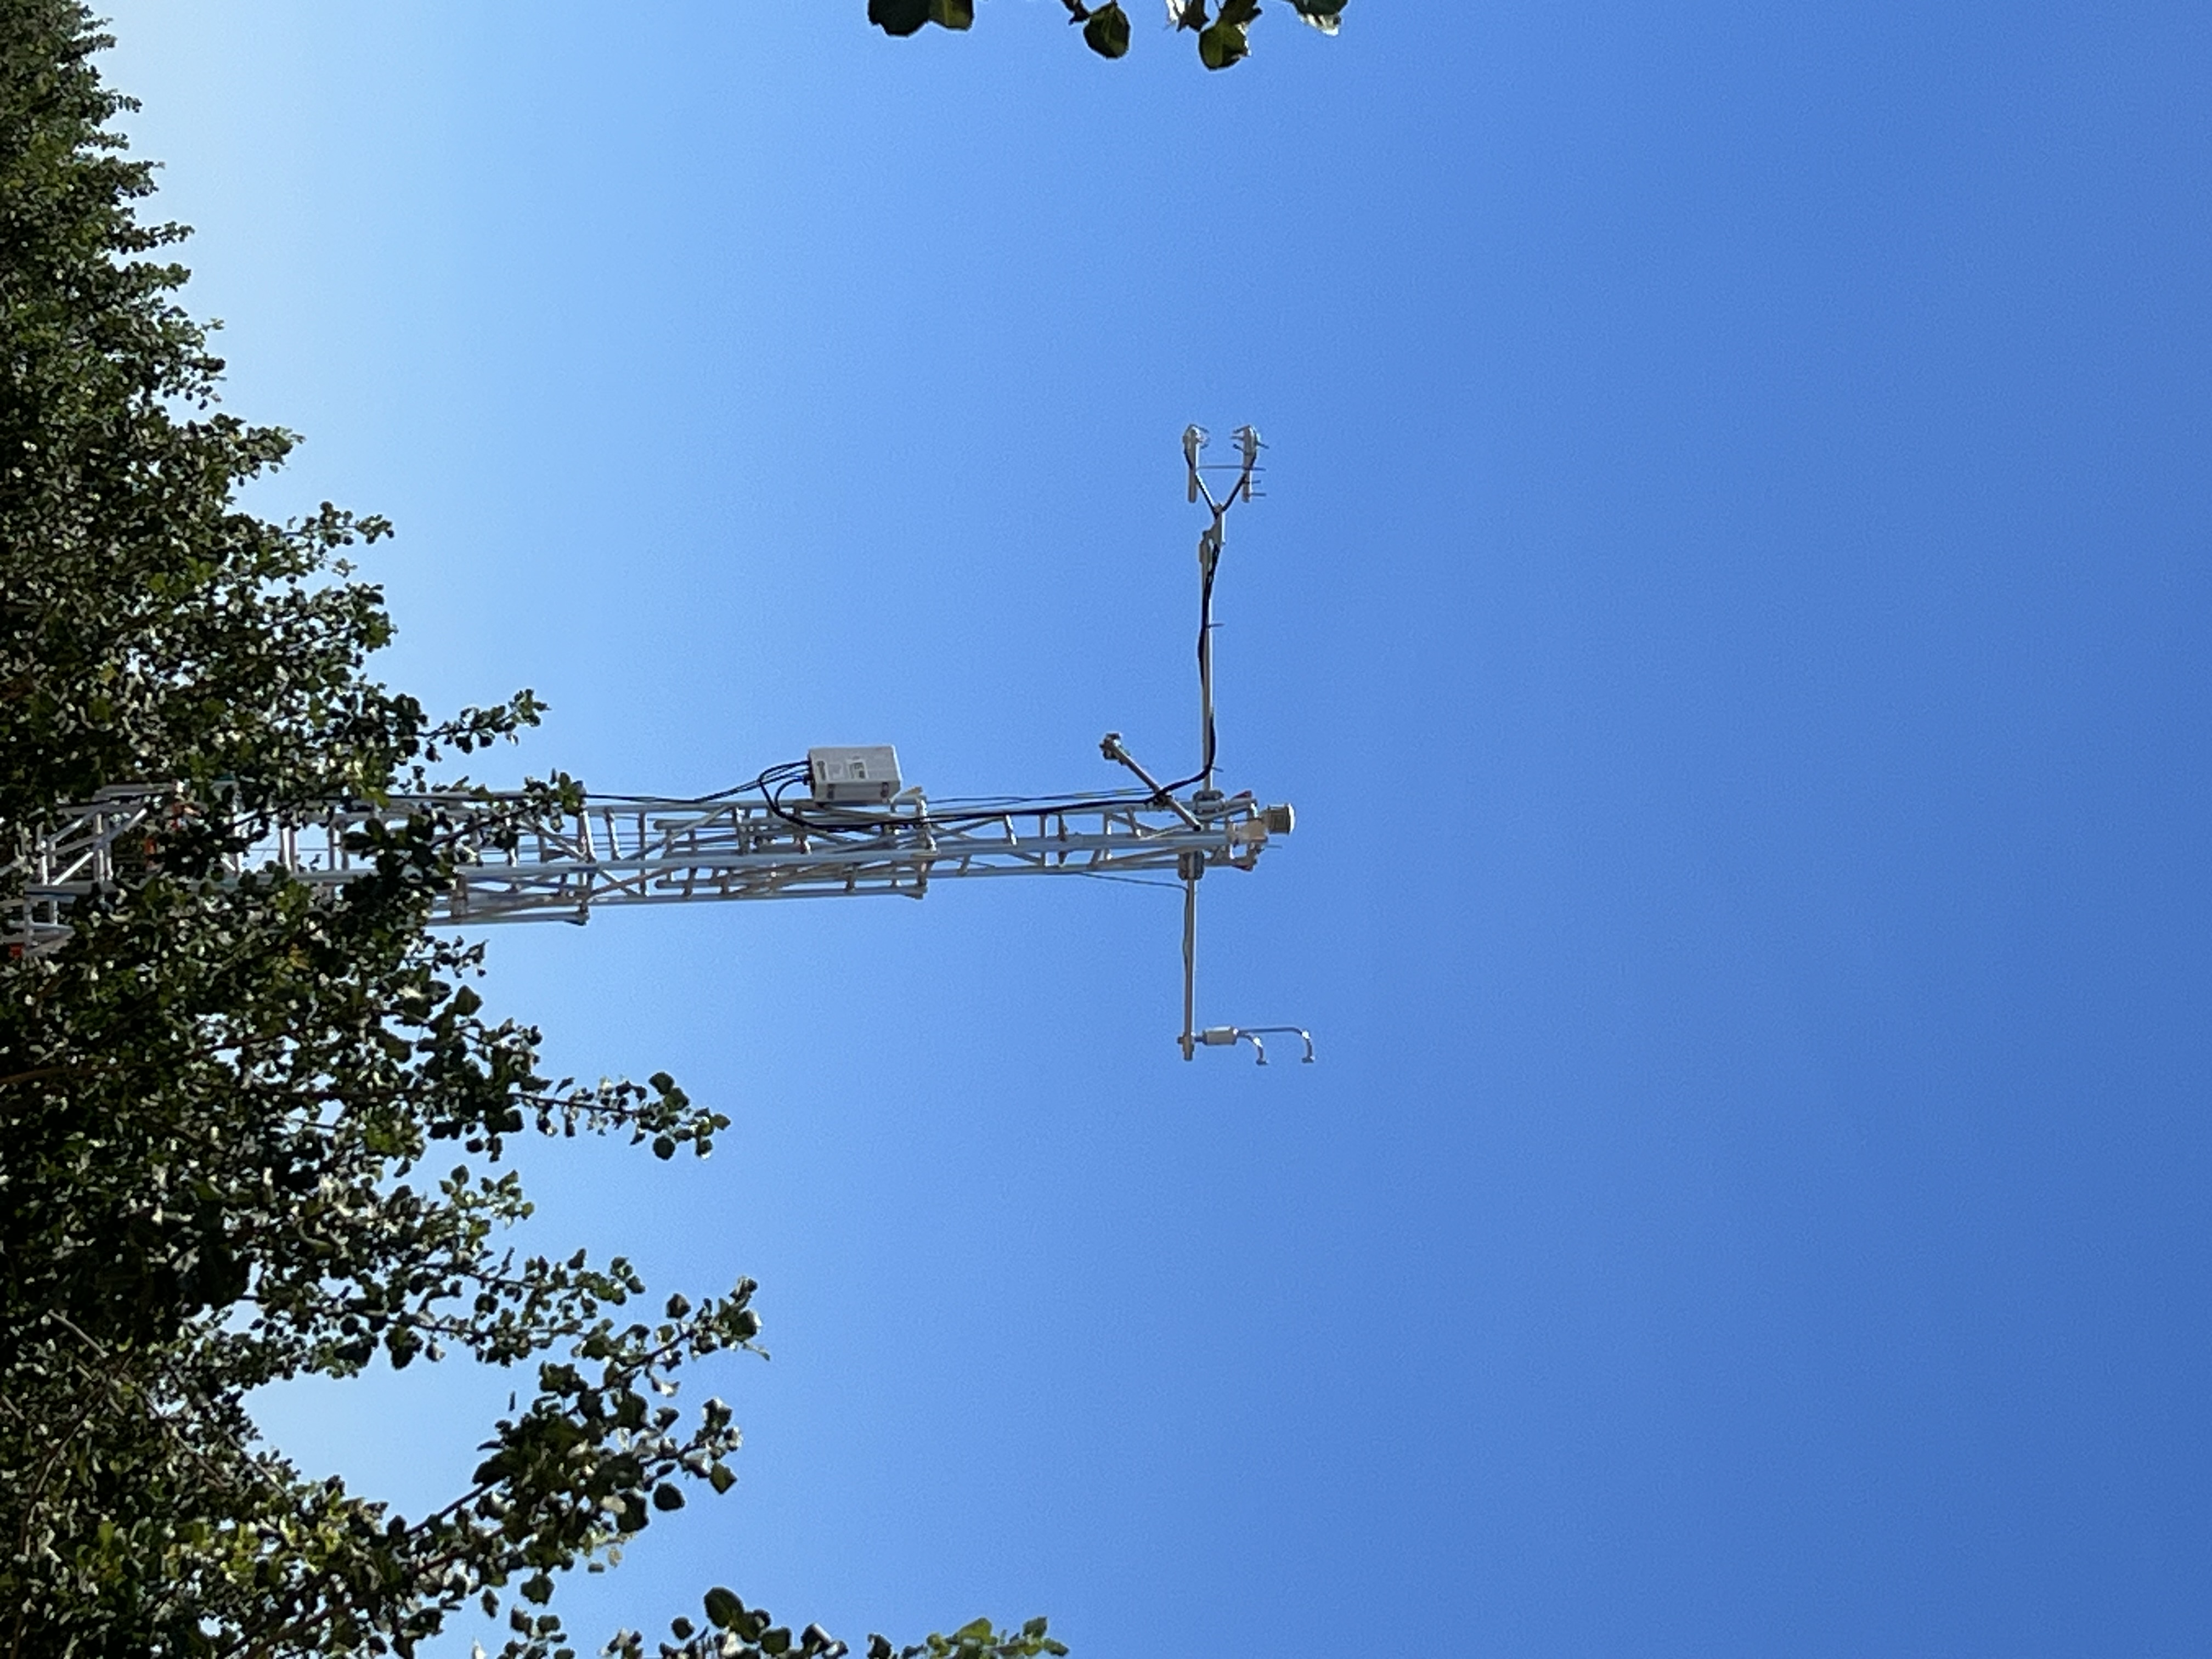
{"type": "Point", "coordinates": [1224, 30]}
{"type": "Point", "coordinates": [249, 1132]}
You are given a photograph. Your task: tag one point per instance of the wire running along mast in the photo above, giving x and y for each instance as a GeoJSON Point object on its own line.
{"type": "Point", "coordinates": [1211, 541]}
{"type": "Point", "coordinates": [839, 823]}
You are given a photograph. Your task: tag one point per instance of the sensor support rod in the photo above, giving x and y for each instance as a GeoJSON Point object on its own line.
{"type": "Point", "coordinates": [1189, 1039]}
{"type": "Point", "coordinates": [1210, 542]}
{"type": "Point", "coordinates": [1111, 746]}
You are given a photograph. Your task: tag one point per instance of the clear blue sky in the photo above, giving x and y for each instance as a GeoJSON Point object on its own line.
{"type": "Point", "coordinates": [1731, 610]}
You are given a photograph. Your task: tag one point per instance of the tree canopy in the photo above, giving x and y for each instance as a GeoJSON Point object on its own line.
{"type": "Point", "coordinates": [248, 1131]}
{"type": "Point", "coordinates": [1224, 29]}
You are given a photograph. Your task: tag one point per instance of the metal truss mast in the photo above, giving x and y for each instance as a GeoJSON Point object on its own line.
{"type": "Point", "coordinates": [838, 822]}
{"type": "Point", "coordinates": [520, 861]}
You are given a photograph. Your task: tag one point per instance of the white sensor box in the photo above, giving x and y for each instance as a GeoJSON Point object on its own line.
{"type": "Point", "coordinates": [866, 776]}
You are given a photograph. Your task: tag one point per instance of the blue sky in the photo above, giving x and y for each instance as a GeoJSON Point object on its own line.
{"type": "Point", "coordinates": [1730, 609]}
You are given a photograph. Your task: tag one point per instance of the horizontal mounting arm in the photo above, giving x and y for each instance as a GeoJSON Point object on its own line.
{"type": "Point", "coordinates": [563, 866]}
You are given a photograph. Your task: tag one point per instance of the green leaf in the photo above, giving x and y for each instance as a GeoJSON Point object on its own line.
{"type": "Point", "coordinates": [724, 1610]}
{"type": "Point", "coordinates": [952, 14]}
{"type": "Point", "coordinates": [1222, 44]}
{"type": "Point", "coordinates": [1107, 33]}
{"type": "Point", "coordinates": [538, 1588]}
{"type": "Point", "coordinates": [666, 1497]}
{"type": "Point", "coordinates": [898, 17]}
{"type": "Point", "coordinates": [721, 1479]}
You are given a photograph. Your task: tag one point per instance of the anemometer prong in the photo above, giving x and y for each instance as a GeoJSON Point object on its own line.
{"type": "Point", "coordinates": [1248, 446]}
{"type": "Point", "coordinates": [1224, 1036]}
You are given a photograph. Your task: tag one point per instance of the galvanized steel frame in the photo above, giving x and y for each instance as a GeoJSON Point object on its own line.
{"type": "Point", "coordinates": [622, 852]}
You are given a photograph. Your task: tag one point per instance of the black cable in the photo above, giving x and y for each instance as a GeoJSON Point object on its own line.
{"type": "Point", "coordinates": [759, 782]}
{"type": "Point", "coordinates": [836, 822]}
{"type": "Point", "coordinates": [1205, 626]}
{"type": "Point", "coordinates": [775, 780]}
{"type": "Point", "coordinates": [773, 783]}
{"type": "Point", "coordinates": [991, 806]}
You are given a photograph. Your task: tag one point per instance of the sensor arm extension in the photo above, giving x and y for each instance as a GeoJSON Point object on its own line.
{"type": "Point", "coordinates": [631, 851]}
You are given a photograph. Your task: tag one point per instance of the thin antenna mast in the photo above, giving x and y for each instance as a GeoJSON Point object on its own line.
{"type": "Point", "coordinates": [1211, 541]}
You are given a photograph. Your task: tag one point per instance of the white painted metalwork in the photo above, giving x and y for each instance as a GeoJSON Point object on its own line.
{"type": "Point", "coordinates": [518, 857]}
{"type": "Point", "coordinates": [625, 851]}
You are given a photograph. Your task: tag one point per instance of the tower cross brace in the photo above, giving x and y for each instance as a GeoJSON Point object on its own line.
{"type": "Point", "coordinates": [519, 861]}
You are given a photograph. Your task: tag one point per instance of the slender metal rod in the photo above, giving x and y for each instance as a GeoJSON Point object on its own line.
{"type": "Point", "coordinates": [1189, 966]}
{"type": "Point", "coordinates": [1210, 543]}
{"type": "Point", "coordinates": [1111, 747]}
{"type": "Point", "coordinates": [1209, 554]}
